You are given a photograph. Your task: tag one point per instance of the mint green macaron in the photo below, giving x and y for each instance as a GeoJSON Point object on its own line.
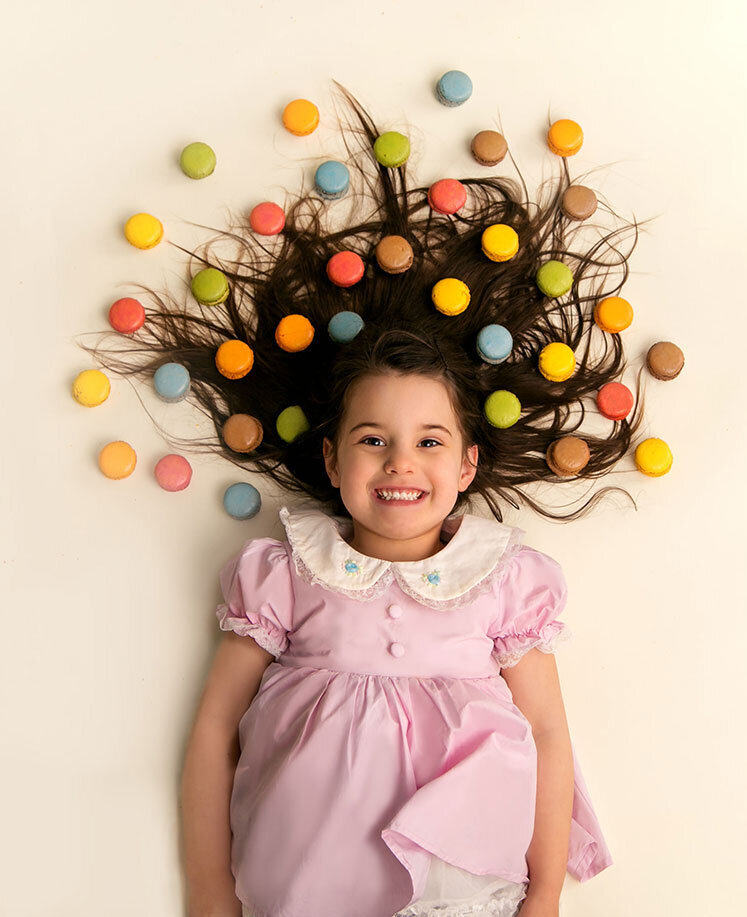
{"type": "Point", "coordinates": [210, 287]}
{"type": "Point", "coordinates": [392, 149]}
{"type": "Point", "coordinates": [291, 422]}
{"type": "Point", "coordinates": [502, 409]}
{"type": "Point", "coordinates": [197, 160]}
{"type": "Point", "coordinates": [554, 278]}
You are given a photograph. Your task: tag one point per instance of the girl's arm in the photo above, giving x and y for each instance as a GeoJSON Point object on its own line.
{"type": "Point", "coordinates": [535, 687]}
{"type": "Point", "coordinates": [207, 777]}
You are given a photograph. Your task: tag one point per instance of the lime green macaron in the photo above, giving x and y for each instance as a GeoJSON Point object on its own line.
{"type": "Point", "coordinates": [554, 278]}
{"type": "Point", "coordinates": [291, 422]}
{"type": "Point", "coordinates": [197, 160]}
{"type": "Point", "coordinates": [210, 287]}
{"type": "Point", "coordinates": [502, 409]}
{"type": "Point", "coordinates": [392, 149]}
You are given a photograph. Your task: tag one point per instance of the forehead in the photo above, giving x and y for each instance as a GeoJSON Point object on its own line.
{"type": "Point", "coordinates": [421, 398]}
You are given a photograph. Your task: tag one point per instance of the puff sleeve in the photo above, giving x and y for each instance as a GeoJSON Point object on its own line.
{"type": "Point", "coordinates": [531, 595]}
{"type": "Point", "coordinates": [258, 592]}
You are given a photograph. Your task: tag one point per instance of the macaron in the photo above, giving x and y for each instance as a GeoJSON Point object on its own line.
{"type": "Point", "coordinates": [197, 160]}
{"type": "Point", "coordinates": [332, 180]}
{"type": "Point", "coordinates": [143, 230]}
{"type": "Point", "coordinates": [242, 433]}
{"type": "Point", "coordinates": [91, 388]}
{"type": "Point", "coordinates": [300, 117]}
{"type": "Point", "coordinates": [502, 409]}
{"type": "Point", "coordinates": [489, 148]}
{"type": "Point", "coordinates": [126, 315]}
{"type": "Point", "coordinates": [450, 296]}
{"type": "Point", "coordinates": [344, 327]}
{"type": "Point", "coordinates": [565, 137]}
{"type": "Point", "coordinates": [554, 278]}
{"type": "Point", "coordinates": [454, 88]}
{"type": "Point", "coordinates": [578, 202]}
{"type": "Point", "coordinates": [557, 362]}
{"type": "Point", "coordinates": [653, 457]}
{"type": "Point", "coordinates": [665, 360]}
{"type": "Point", "coordinates": [173, 473]}
{"type": "Point", "coordinates": [613, 314]}
{"type": "Point", "coordinates": [447, 195]}
{"type": "Point", "coordinates": [171, 381]}
{"type": "Point", "coordinates": [392, 149]}
{"type": "Point", "coordinates": [345, 268]}
{"type": "Point", "coordinates": [294, 333]}
{"type": "Point", "coordinates": [615, 400]}
{"type": "Point", "coordinates": [234, 359]}
{"type": "Point", "coordinates": [267, 219]}
{"type": "Point", "coordinates": [117, 460]}
{"type": "Point", "coordinates": [394, 254]}
{"type": "Point", "coordinates": [494, 344]}
{"type": "Point", "coordinates": [567, 456]}
{"type": "Point", "coordinates": [210, 287]}
{"type": "Point", "coordinates": [500, 242]}
{"type": "Point", "coordinates": [291, 422]}
{"type": "Point", "coordinates": [242, 501]}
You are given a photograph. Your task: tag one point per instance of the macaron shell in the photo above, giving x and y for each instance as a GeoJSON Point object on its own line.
{"type": "Point", "coordinates": [392, 149]}
{"type": "Point", "coordinates": [294, 333]}
{"type": "Point", "coordinates": [450, 296]}
{"type": "Point", "coordinates": [126, 315]}
{"type": "Point", "coordinates": [291, 423]}
{"type": "Point", "coordinates": [234, 359]}
{"type": "Point", "coordinates": [173, 473]}
{"type": "Point", "coordinates": [91, 388]}
{"type": "Point", "coordinates": [301, 117]}
{"type": "Point", "coordinates": [117, 460]}
{"type": "Point", "coordinates": [502, 409]}
{"type": "Point", "coordinates": [613, 314]}
{"type": "Point", "coordinates": [665, 360]}
{"type": "Point", "coordinates": [489, 148]}
{"type": "Point", "coordinates": [565, 137]}
{"type": "Point", "coordinates": [344, 327]}
{"type": "Point", "coordinates": [500, 242]}
{"type": "Point", "coordinates": [568, 456]}
{"type": "Point", "coordinates": [454, 88]}
{"type": "Point", "coordinates": [242, 501]}
{"type": "Point", "coordinates": [172, 381]}
{"type": "Point", "coordinates": [242, 433]}
{"type": "Point", "coordinates": [210, 286]}
{"type": "Point", "coordinates": [578, 202]}
{"type": "Point", "coordinates": [267, 219]}
{"type": "Point", "coordinates": [554, 278]}
{"type": "Point", "coordinates": [394, 254]}
{"type": "Point", "coordinates": [653, 457]}
{"type": "Point", "coordinates": [615, 400]}
{"type": "Point", "coordinates": [332, 179]}
{"type": "Point", "coordinates": [494, 344]}
{"type": "Point", "coordinates": [448, 195]}
{"type": "Point", "coordinates": [557, 362]}
{"type": "Point", "coordinates": [197, 160]}
{"type": "Point", "coordinates": [143, 230]}
{"type": "Point", "coordinates": [345, 269]}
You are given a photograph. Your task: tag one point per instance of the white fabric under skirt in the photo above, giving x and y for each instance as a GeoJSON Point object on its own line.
{"type": "Point", "coordinates": [454, 892]}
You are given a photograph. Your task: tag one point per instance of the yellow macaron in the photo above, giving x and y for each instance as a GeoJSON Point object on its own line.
{"type": "Point", "coordinates": [557, 362]}
{"type": "Point", "coordinates": [300, 117]}
{"type": "Point", "coordinates": [653, 457]}
{"type": "Point", "coordinates": [613, 314]}
{"type": "Point", "coordinates": [143, 230]}
{"type": "Point", "coordinates": [565, 137]}
{"type": "Point", "coordinates": [450, 296]}
{"type": "Point", "coordinates": [117, 460]}
{"type": "Point", "coordinates": [91, 387]}
{"type": "Point", "coordinates": [500, 242]}
{"type": "Point", "coordinates": [234, 359]}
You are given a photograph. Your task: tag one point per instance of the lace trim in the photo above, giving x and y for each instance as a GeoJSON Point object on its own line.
{"type": "Point", "coordinates": [545, 644]}
{"type": "Point", "coordinates": [503, 903]}
{"type": "Point", "coordinates": [265, 633]}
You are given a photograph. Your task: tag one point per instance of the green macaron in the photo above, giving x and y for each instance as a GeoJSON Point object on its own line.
{"type": "Point", "coordinates": [210, 287]}
{"type": "Point", "coordinates": [197, 160]}
{"type": "Point", "coordinates": [554, 278]}
{"type": "Point", "coordinates": [291, 422]}
{"type": "Point", "coordinates": [502, 409]}
{"type": "Point", "coordinates": [392, 149]}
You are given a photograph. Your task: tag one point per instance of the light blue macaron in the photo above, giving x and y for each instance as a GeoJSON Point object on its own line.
{"type": "Point", "coordinates": [454, 88]}
{"type": "Point", "coordinates": [344, 326]}
{"type": "Point", "coordinates": [332, 179]}
{"type": "Point", "coordinates": [242, 501]}
{"type": "Point", "coordinates": [171, 381]}
{"type": "Point", "coordinates": [494, 343]}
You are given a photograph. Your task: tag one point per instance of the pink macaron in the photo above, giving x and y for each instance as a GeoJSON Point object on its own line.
{"type": "Point", "coordinates": [267, 219]}
{"type": "Point", "coordinates": [173, 472]}
{"type": "Point", "coordinates": [615, 400]}
{"type": "Point", "coordinates": [345, 269]}
{"type": "Point", "coordinates": [447, 195]}
{"type": "Point", "coordinates": [126, 315]}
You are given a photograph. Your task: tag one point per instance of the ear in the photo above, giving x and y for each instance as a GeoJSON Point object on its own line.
{"type": "Point", "coordinates": [329, 462]}
{"type": "Point", "coordinates": [469, 468]}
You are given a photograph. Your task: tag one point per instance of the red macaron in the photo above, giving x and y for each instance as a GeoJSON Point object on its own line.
{"type": "Point", "coordinates": [345, 268]}
{"type": "Point", "coordinates": [267, 219]}
{"type": "Point", "coordinates": [615, 400]}
{"type": "Point", "coordinates": [126, 315]}
{"type": "Point", "coordinates": [447, 195]}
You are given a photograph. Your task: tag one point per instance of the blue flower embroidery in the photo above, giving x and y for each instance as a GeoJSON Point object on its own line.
{"type": "Point", "coordinates": [351, 568]}
{"type": "Point", "coordinates": [432, 578]}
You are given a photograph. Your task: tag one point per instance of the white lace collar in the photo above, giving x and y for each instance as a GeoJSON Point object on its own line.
{"type": "Point", "coordinates": [475, 554]}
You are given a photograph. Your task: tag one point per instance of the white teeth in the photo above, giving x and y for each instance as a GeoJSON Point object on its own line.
{"type": "Point", "coordinates": [398, 495]}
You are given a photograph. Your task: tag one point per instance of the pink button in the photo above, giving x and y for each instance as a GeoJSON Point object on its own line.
{"type": "Point", "coordinates": [396, 649]}
{"type": "Point", "coordinates": [394, 611]}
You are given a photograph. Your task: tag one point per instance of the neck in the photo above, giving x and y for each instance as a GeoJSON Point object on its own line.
{"type": "Point", "coordinates": [370, 543]}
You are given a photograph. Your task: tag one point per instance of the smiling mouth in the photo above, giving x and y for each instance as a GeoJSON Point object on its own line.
{"type": "Point", "coordinates": [390, 495]}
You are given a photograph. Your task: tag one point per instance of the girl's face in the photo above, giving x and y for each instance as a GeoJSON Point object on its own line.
{"type": "Point", "coordinates": [399, 435]}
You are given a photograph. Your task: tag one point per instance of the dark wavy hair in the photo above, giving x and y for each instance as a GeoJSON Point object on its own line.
{"type": "Point", "coordinates": [403, 332]}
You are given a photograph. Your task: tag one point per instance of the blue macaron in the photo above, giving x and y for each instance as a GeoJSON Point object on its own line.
{"type": "Point", "coordinates": [332, 179]}
{"type": "Point", "coordinates": [344, 326]}
{"type": "Point", "coordinates": [494, 343]}
{"type": "Point", "coordinates": [171, 381]}
{"type": "Point", "coordinates": [454, 88]}
{"type": "Point", "coordinates": [242, 501]}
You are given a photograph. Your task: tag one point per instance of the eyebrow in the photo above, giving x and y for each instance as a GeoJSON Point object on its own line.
{"type": "Point", "coordinates": [425, 426]}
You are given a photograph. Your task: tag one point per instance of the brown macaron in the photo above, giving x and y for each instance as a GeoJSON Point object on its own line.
{"type": "Point", "coordinates": [665, 360]}
{"type": "Point", "coordinates": [489, 147]}
{"type": "Point", "coordinates": [394, 254]}
{"type": "Point", "coordinates": [567, 456]}
{"type": "Point", "coordinates": [242, 432]}
{"type": "Point", "coordinates": [578, 203]}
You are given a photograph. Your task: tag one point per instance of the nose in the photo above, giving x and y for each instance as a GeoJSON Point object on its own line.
{"type": "Point", "coordinates": [398, 461]}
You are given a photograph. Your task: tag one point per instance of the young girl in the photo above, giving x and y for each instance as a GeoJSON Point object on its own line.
{"type": "Point", "coordinates": [382, 731]}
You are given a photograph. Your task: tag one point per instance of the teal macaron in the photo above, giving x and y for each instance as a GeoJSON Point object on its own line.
{"type": "Point", "coordinates": [454, 88]}
{"type": "Point", "coordinates": [554, 278]}
{"type": "Point", "coordinates": [210, 287]}
{"type": "Point", "coordinates": [242, 500]}
{"type": "Point", "coordinates": [332, 180]}
{"type": "Point", "coordinates": [392, 149]}
{"type": "Point", "coordinates": [197, 160]}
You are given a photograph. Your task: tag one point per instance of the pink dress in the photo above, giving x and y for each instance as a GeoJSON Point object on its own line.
{"type": "Point", "coordinates": [384, 768]}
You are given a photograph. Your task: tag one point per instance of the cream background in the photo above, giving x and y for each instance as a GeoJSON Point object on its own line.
{"type": "Point", "coordinates": [108, 588]}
